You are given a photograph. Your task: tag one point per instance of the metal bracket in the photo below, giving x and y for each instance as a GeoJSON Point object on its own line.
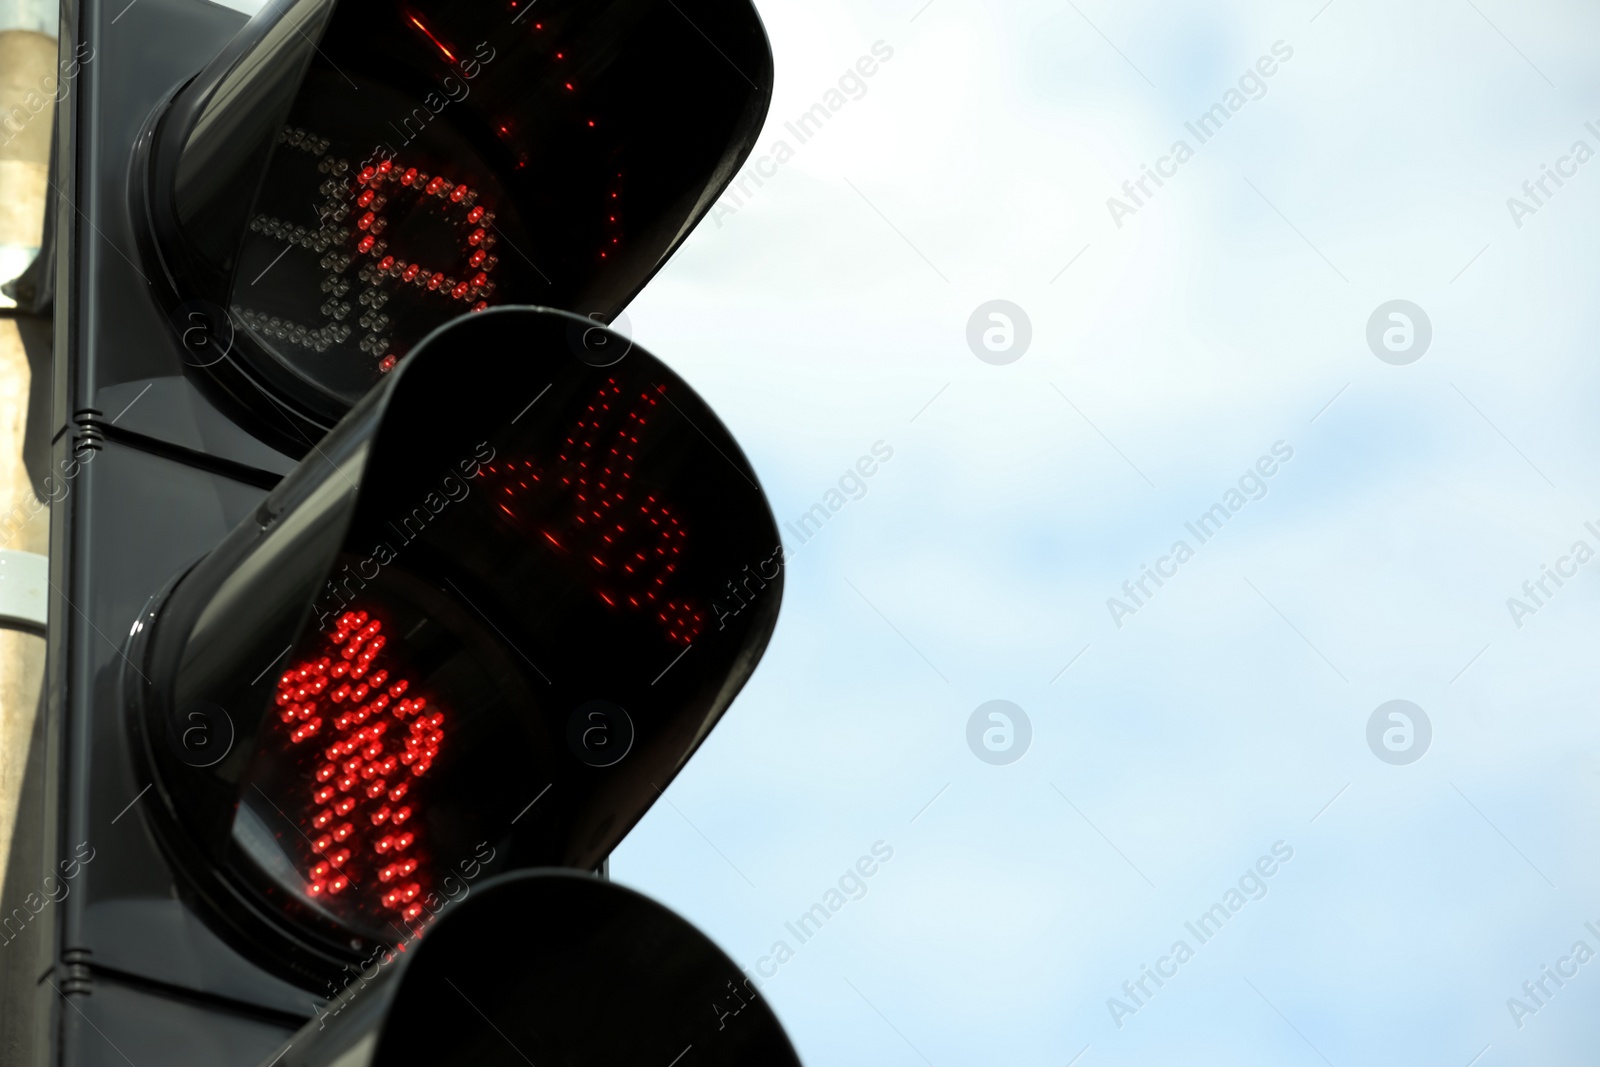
{"type": "Point", "coordinates": [24, 591]}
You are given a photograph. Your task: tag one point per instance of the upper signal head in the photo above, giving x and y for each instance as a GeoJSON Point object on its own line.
{"type": "Point", "coordinates": [350, 174]}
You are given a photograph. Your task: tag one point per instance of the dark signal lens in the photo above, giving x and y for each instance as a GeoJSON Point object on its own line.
{"type": "Point", "coordinates": [354, 253]}
{"type": "Point", "coordinates": [589, 504]}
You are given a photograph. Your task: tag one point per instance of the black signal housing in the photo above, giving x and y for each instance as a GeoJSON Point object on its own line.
{"type": "Point", "coordinates": [474, 625]}
{"type": "Point", "coordinates": [348, 175]}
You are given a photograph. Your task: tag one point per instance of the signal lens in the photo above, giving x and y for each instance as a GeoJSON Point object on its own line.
{"type": "Point", "coordinates": [343, 268]}
{"type": "Point", "coordinates": [339, 683]}
{"type": "Point", "coordinates": [586, 503]}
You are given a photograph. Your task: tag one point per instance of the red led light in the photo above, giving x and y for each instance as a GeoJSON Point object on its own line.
{"type": "Point", "coordinates": [440, 45]}
{"type": "Point", "coordinates": [350, 797]}
{"type": "Point", "coordinates": [374, 219]}
{"type": "Point", "coordinates": [395, 213]}
{"type": "Point", "coordinates": [632, 541]}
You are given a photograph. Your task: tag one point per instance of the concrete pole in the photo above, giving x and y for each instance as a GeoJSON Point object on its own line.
{"type": "Point", "coordinates": [27, 90]}
{"type": "Point", "coordinates": [28, 66]}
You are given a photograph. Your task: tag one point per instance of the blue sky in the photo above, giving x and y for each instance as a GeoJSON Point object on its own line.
{"type": "Point", "coordinates": [1227, 314]}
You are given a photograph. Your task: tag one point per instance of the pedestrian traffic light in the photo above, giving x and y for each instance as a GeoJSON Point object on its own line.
{"type": "Point", "coordinates": [299, 526]}
{"type": "Point", "coordinates": [348, 174]}
{"type": "Point", "coordinates": [586, 972]}
{"type": "Point", "coordinates": [469, 620]}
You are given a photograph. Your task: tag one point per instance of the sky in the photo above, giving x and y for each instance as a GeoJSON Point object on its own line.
{"type": "Point", "coordinates": [1428, 858]}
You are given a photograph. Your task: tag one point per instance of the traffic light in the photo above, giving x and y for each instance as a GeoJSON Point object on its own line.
{"type": "Point", "coordinates": [365, 573]}
{"type": "Point", "coordinates": [466, 620]}
{"type": "Point", "coordinates": [586, 973]}
{"type": "Point", "coordinates": [346, 176]}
